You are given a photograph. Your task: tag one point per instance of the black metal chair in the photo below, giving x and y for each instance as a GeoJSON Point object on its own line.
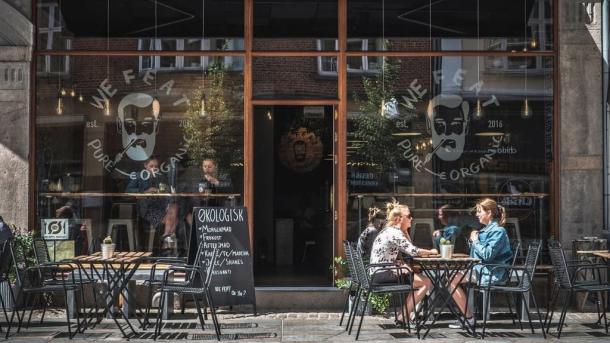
{"type": "Point", "coordinates": [196, 283]}
{"type": "Point", "coordinates": [520, 283]}
{"type": "Point", "coordinates": [43, 258]}
{"type": "Point", "coordinates": [566, 280]}
{"type": "Point", "coordinates": [30, 283]}
{"type": "Point", "coordinates": [5, 266]}
{"type": "Point", "coordinates": [354, 286]}
{"type": "Point", "coordinates": [369, 287]}
{"type": "Point", "coordinates": [154, 282]}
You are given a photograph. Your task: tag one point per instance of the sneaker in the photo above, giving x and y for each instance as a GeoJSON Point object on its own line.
{"type": "Point", "coordinates": [458, 324]}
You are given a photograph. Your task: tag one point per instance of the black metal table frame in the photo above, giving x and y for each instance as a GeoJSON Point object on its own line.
{"type": "Point", "coordinates": [117, 278]}
{"type": "Point", "coordinates": [441, 273]}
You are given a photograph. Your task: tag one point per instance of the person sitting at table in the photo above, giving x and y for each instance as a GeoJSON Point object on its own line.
{"type": "Point", "coordinates": [395, 238]}
{"type": "Point", "coordinates": [155, 210]}
{"type": "Point", "coordinates": [491, 246]}
{"type": "Point", "coordinates": [209, 183]}
{"type": "Point", "coordinates": [450, 231]}
{"type": "Point", "coordinates": [368, 235]}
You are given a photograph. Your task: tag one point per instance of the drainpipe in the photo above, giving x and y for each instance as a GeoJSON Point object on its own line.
{"type": "Point", "coordinates": [605, 80]}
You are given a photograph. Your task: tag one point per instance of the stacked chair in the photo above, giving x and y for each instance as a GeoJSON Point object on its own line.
{"type": "Point", "coordinates": [566, 276]}
{"type": "Point", "coordinates": [366, 285]}
{"type": "Point", "coordinates": [39, 281]}
{"type": "Point", "coordinates": [196, 283]}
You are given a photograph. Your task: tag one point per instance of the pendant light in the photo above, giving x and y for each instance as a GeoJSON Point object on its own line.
{"type": "Point", "coordinates": [526, 110]}
{"type": "Point", "coordinates": [478, 109]}
{"type": "Point", "coordinates": [106, 99]}
{"type": "Point", "coordinates": [156, 106]}
{"type": "Point", "coordinates": [202, 106]}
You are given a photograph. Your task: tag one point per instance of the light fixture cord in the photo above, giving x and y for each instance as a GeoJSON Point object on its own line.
{"type": "Point", "coordinates": [108, 39]}
{"type": "Point", "coordinates": [154, 45]}
{"type": "Point", "coordinates": [383, 57]}
{"type": "Point", "coordinates": [525, 42]}
{"type": "Point", "coordinates": [478, 47]}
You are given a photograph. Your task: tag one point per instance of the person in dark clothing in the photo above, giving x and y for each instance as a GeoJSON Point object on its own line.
{"type": "Point", "coordinates": [5, 231]}
{"type": "Point", "coordinates": [155, 210]}
{"type": "Point", "coordinates": [368, 235]}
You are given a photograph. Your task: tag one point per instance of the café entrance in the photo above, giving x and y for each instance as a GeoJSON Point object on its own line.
{"type": "Point", "coordinates": [293, 191]}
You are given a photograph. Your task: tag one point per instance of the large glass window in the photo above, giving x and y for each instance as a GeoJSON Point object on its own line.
{"type": "Point", "coordinates": [447, 131]}
{"type": "Point", "coordinates": [109, 163]}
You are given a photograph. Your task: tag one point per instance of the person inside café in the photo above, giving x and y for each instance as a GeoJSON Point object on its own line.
{"type": "Point", "coordinates": [490, 245]}
{"type": "Point", "coordinates": [155, 210]}
{"type": "Point", "coordinates": [450, 231]}
{"type": "Point", "coordinates": [368, 235]}
{"type": "Point", "coordinates": [395, 238]}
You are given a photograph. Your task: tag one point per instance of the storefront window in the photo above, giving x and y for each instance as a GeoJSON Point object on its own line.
{"type": "Point", "coordinates": [109, 164]}
{"type": "Point", "coordinates": [447, 131]}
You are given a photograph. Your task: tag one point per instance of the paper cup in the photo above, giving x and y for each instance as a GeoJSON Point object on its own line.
{"type": "Point", "coordinates": [107, 250]}
{"type": "Point", "coordinates": [446, 251]}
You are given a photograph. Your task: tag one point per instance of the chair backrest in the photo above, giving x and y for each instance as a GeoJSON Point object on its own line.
{"type": "Point", "coordinates": [41, 252]}
{"type": "Point", "coordinates": [19, 263]}
{"type": "Point", "coordinates": [515, 247]}
{"type": "Point", "coordinates": [560, 268]}
{"type": "Point", "coordinates": [209, 273]}
{"type": "Point", "coordinates": [531, 259]}
{"type": "Point", "coordinates": [350, 265]}
{"type": "Point", "coordinates": [358, 266]}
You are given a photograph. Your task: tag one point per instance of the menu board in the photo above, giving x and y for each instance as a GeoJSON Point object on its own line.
{"type": "Point", "coordinates": [226, 230]}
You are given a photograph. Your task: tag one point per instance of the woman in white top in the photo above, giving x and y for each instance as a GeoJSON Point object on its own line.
{"type": "Point", "coordinates": [394, 238]}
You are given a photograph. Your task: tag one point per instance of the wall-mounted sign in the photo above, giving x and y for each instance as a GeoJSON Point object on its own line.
{"type": "Point", "coordinates": [300, 150]}
{"type": "Point", "coordinates": [313, 112]}
{"type": "Point", "coordinates": [55, 229]}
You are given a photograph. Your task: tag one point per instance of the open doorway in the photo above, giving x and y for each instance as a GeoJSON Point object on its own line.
{"type": "Point", "coordinates": [293, 185]}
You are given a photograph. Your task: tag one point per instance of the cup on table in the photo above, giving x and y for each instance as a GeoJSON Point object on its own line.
{"type": "Point", "coordinates": [162, 187]}
{"type": "Point", "coordinates": [446, 250]}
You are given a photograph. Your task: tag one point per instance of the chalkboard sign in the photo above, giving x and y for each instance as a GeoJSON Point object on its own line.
{"type": "Point", "coordinates": [226, 230]}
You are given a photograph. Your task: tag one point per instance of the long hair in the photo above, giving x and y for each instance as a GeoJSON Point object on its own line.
{"type": "Point", "coordinates": [498, 212]}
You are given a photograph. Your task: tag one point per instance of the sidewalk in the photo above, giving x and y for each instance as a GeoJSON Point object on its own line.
{"type": "Point", "coordinates": [302, 327]}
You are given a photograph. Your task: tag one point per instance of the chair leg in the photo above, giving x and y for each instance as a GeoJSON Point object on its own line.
{"type": "Point", "coordinates": [549, 318]}
{"type": "Point", "coordinates": [354, 312]}
{"type": "Point", "coordinates": [366, 302]}
{"type": "Point", "coordinates": [485, 312]}
{"type": "Point", "coordinates": [512, 295]}
{"type": "Point", "coordinates": [159, 320]}
{"type": "Point", "coordinates": [68, 314]}
{"type": "Point", "coordinates": [527, 311]}
{"type": "Point", "coordinates": [510, 308]}
{"type": "Point", "coordinates": [199, 315]}
{"type": "Point", "coordinates": [35, 301]}
{"type": "Point", "coordinates": [213, 314]}
{"type": "Point", "coordinates": [25, 303]}
{"type": "Point", "coordinates": [562, 317]}
{"type": "Point", "coordinates": [345, 305]}
{"type": "Point", "coordinates": [539, 316]}
{"type": "Point", "coordinates": [147, 310]}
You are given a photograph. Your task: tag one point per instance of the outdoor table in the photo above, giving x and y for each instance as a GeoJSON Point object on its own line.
{"type": "Point", "coordinates": [605, 255]}
{"type": "Point", "coordinates": [117, 271]}
{"type": "Point", "coordinates": [442, 272]}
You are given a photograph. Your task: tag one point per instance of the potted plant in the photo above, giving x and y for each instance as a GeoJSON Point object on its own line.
{"type": "Point", "coordinates": [446, 247]}
{"type": "Point", "coordinates": [107, 247]}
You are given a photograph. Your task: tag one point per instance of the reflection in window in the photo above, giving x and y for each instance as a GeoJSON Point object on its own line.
{"type": "Point", "coordinates": [327, 65]}
{"type": "Point", "coordinates": [50, 38]}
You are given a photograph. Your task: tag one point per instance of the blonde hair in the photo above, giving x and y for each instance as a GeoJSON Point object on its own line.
{"type": "Point", "coordinates": [498, 212]}
{"type": "Point", "coordinates": [393, 210]}
{"type": "Point", "coordinates": [374, 212]}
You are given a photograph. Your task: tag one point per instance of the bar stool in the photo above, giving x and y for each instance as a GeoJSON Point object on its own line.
{"type": "Point", "coordinates": [125, 219]}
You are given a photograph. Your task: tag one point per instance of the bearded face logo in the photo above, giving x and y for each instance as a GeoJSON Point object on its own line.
{"type": "Point", "coordinates": [447, 118]}
{"type": "Point", "coordinates": [138, 128]}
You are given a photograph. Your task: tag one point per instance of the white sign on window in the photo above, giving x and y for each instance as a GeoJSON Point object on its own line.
{"type": "Point", "coordinates": [55, 228]}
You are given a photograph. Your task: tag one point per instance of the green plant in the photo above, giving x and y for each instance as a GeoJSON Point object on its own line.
{"type": "Point", "coordinates": [380, 302]}
{"type": "Point", "coordinates": [107, 240]}
{"type": "Point", "coordinates": [444, 241]}
{"type": "Point", "coordinates": [24, 240]}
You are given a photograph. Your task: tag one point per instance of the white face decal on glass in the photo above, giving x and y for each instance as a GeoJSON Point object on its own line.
{"type": "Point", "coordinates": [448, 120]}
{"type": "Point", "coordinates": [138, 133]}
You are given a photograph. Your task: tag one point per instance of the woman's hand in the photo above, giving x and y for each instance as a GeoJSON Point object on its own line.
{"type": "Point", "coordinates": [436, 233]}
{"type": "Point", "coordinates": [433, 252]}
{"type": "Point", "coordinates": [474, 236]}
{"type": "Point", "coordinates": [212, 179]}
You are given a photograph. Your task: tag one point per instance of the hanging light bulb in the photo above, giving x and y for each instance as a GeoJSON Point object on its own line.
{"type": "Point", "coordinates": [269, 115]}
{"type": "Point", "coordinates": [62, 92]}
{"type": "Point", "coordinates": [526, 110]}
{"type": "Point", "coordinates": [60, 106]}
{"type": "Point", "coordinates": [80, 97]}
{"type": "Point", "coordinates": [478, 110]}
{"type": "Point", "coordinates": [156, 107]}
{"type": "Point", "coordinates": [533, 43]}
{"type": "Point", "coordinates": [72, 92]}
{"type": "Point", "coordinates": [107, 107]}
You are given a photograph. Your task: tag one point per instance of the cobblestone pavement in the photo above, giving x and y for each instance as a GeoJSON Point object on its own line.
{"type": "Point", "coordinates": [302, 327]}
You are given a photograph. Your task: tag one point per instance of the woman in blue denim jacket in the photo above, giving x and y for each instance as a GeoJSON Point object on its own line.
{"type": "Point", "coordinates": [490, 245]}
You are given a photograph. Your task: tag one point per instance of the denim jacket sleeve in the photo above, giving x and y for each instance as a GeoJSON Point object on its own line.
{"type": "Point", "coordinates": [491, 246]}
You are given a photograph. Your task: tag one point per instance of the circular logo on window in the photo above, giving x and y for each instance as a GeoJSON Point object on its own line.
{"type": "Point", "coordinates": [300, 150]}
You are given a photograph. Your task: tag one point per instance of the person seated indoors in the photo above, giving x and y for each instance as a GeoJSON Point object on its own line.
{"type": "Point", "coordinates": [491, 246]}
{"type": "Point", "coordinates": [395, 239]}
{"type": "Point", "coordinates": [155, 210]}
{"type": "Point", "coordinates": [450, 231]}
{"type": "Point", "coordinates": [368, 235]}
